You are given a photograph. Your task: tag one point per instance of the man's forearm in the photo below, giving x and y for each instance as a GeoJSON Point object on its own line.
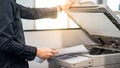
{"type": "Point", "coordinates": [37, 13]}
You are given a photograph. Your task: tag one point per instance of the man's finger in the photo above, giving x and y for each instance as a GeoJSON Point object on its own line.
{"type": "Point", "coordinates": [54, 51]}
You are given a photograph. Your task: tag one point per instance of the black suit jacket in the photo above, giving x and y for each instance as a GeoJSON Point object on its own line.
{"type": "Point", "coordinates": [14, 53]}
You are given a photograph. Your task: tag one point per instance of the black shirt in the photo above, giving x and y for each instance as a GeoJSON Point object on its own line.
{"type": "Point", "coordinates": [14, 53]}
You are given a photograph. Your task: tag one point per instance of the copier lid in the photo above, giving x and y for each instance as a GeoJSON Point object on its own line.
{"type": "Point", "coordinates": [96, 20]}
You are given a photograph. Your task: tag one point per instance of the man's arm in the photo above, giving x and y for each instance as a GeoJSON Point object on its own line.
{"type": "Point", "coordinates": [37, 13]}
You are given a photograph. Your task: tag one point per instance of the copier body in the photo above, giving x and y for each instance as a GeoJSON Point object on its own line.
{"type": "Point", "coordinates": [102, 27]}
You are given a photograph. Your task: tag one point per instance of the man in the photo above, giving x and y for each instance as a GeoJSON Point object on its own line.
{"type": "Point", "coordinates": [14, 53]}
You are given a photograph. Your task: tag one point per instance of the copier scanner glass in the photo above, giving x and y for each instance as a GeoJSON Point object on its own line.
{"type": "Point", "coordinates": [100, 22]}
{"type": "Point", "coordinates": [96, 24]}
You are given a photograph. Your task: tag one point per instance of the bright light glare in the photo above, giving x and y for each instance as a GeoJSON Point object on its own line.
{"type": "Point", "coordinates": [49, 3]}
{"type": "Point", "coordinates": [113, 4]}
{"type": "Point", "coordinates": [60, 22]}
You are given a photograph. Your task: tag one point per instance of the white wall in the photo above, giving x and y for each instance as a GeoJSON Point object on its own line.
{"type": "Point", "coordinates": [51, 39]}
{"type": "Point", "coordinates": [94, 1]}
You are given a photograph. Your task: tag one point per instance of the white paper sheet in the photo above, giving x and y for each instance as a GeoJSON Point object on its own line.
{"type": "Point", "coordinates": [39, 60]}
{"type": "Point", "coordinates": [74, 49]}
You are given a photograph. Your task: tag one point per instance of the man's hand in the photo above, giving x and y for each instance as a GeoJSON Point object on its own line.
{"type": "Point", "coordinates": [68, 4]}
{"type": "Point", "coordinates": [46, 53]}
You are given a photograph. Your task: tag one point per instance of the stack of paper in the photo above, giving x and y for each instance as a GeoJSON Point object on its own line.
{"type": "Point", "coordinates": [73, 49]}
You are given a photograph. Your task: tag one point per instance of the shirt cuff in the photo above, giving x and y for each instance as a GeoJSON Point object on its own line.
{"type": "Point", "coordinates": [30, 52]}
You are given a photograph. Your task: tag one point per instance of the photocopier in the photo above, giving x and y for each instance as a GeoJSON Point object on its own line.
{"type": "Point", "coordinates": [101, 26]}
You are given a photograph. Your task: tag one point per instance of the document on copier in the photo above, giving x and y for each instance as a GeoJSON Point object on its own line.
{"type": "Point", "coordinates": [73, 49]}
{"type": "Point", "coordinates": [38, 60]}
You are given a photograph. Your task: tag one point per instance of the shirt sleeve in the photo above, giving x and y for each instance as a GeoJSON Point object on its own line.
{"type": "Point", "coordinates": [9, 45]}
{"type": "Point", "coordinates": [19, 50]}
{"type": "Point", "coordinates": [37, 13]}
